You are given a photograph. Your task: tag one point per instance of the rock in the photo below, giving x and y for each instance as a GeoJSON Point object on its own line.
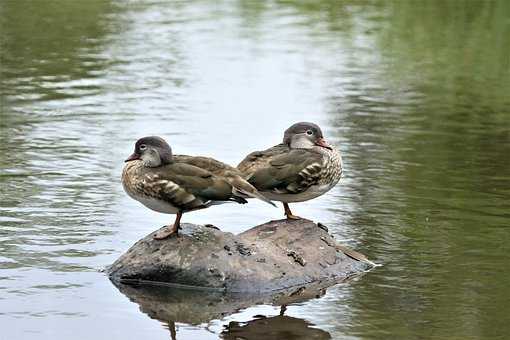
{"type": "Point", "coordinates": [269, 257]}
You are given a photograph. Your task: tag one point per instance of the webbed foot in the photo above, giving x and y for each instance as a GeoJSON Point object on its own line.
{"type": "Point", "coordinates": [166, 232]}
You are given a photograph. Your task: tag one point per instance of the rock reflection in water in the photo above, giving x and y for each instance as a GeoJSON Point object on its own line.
{"type": "Point", "coordinates": [172, 305]}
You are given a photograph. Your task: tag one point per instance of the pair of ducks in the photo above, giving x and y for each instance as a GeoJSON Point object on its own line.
{"type": "Point", "coordinates": [300, 168]}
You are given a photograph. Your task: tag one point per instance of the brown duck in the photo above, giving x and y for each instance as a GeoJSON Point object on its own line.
{"type": "Point", "coordinates": [299, 169]}
{"type": "Point", "coordinates": [174, 184]}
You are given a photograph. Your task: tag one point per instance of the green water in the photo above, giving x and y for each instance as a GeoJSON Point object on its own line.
{"type": "Point", "coordinates": [416, 94]}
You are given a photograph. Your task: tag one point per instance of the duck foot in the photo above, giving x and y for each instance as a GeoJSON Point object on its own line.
{"type": "Point", "coordinates": [293, 217]}
{"type": "Point", "coordinates": [166, 232]}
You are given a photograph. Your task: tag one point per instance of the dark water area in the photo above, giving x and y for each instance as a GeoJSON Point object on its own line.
{"type": "Point", "coordinates": [416, 94]}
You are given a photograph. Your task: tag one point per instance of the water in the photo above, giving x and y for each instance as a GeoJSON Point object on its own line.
{"type": "Point", "coordinates": [415, 94]}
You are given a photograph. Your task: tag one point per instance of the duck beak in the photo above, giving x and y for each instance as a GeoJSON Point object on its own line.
{"type": "Point", "coordinates": [133, 157]}
{"type": "Point", "coordinates": [321, 142]}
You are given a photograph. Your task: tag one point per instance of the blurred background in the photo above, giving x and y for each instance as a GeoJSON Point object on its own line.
{"type": "Point", "coordinates": [416, 94]}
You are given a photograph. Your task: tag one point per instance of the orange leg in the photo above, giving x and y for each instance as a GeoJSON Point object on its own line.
{"type": "Point", "coordinates": [169, 230]}
{"type": "Point", "coordinates": [288, 213]}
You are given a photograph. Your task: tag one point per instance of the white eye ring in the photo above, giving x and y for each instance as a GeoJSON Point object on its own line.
{"type": "Point", "coordinates": [143, 147]}
{"type": "Point", "coordinates": [309, 132]}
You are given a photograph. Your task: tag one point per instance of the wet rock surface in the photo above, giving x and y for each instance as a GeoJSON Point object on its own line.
{"type": "Point", "coordinates": [273, 256]}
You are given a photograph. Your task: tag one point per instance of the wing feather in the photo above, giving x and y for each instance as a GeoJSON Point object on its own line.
{"type": "Point", "coordinates": [286, 172]}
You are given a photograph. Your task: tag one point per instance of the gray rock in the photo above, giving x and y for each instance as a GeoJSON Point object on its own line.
{"type": "Point", "coordinates": [270, 257]}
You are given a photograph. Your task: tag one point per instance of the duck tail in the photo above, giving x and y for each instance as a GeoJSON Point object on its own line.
{"type": "Point", "coordinates": [254, 194]}
{"type": "Point", "coordinates": [243, 189]}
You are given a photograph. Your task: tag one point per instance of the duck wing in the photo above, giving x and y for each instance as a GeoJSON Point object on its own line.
{"type": "Point", "coordinates": [290, 172]}
{"type": "Point", "coordinates": [240, 187]}
{"type": "Point", "coordinates": [206, 163]}
{"type": "Point", "coordinates": [259, 159]}
{"type": "Point", "coordinates": [185, 186]}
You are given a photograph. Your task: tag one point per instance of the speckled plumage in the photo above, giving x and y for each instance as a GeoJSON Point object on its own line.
{"type": "Point", "coordinates": [292, 175]}
{"type": "Point", "coordinates": [301, 168]}
{"type": "Point", "coordinates": [174, 184]}
{"type": "Point", "coordinates": [170, 185]}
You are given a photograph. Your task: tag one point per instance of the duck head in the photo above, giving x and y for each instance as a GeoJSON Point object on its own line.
{"type": "Point", "coordinates": [153, 151]}
{"type": "Point", "coordinates": [304, 135]}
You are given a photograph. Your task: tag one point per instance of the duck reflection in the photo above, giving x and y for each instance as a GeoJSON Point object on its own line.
{"type": "Point", "coordinates": [173, 305]}
{"type": "Point", "coordinates": [279, 327]}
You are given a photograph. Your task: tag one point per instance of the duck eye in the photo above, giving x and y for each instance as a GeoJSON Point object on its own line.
{"type": "Point", "coordinates": [143, 147]}
{"type": "Point", "coordinates": [309, 132]}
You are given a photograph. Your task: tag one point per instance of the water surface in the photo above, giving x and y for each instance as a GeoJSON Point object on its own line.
{"type": "Point", "coordinates": [415, 94]}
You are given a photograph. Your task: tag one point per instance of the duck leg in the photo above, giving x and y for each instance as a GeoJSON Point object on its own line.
{"type": "Point", "coordinates": [288, 213]}
{"type": "Point", "coordinates": [168, 231]}
{"type": "Point", "coordinates": [171, 328]}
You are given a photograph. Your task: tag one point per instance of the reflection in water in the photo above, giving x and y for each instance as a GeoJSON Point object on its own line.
{"type": "Point", "coordinates": [279, 327]}
{"type": "Point", "coordinates": [55, 191]}
{"type": "Point", "coordinates": [173, 305]}
{"type": "Point", "coordinates": [414, 93]}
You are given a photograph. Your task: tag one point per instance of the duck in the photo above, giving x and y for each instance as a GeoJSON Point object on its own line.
{"type": "Point", "coordinates": [175, 184]}
{"type": "Point", "coordinates": [304, 166]}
